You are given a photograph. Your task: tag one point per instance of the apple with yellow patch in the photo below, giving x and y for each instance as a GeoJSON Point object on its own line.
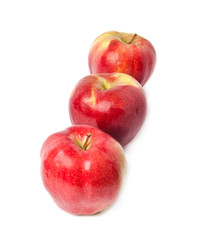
{"type": "Point", "coordinates": [113, 102]}
{"type": "Point", "coordinates": [123, 52]}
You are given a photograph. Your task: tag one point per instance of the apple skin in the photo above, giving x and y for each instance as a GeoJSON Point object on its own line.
{"type": "Point", "coordinates": [122, 52]}
{"type": "Point", "coordinates": [113, 102]}
{"type": "Point", "coordinates": [82, 182]}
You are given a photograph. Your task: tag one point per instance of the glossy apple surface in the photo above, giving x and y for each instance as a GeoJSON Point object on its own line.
{"type": "Point", "coordinates": [114, 102]}
{"type": "Point", "coordinates": [122, 52]}
{"type": "Point", "coordinates": [82, 168]}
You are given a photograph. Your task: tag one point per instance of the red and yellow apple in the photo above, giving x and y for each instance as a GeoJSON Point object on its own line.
{"type": "Point", "coordinates": [113, 102]}
{"type": "Point", "coordinates": [124, 53]}
{"type": "Point", "coordinates": [82, 168]}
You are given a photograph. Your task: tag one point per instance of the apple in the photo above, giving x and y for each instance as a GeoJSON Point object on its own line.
{"type": "Point", "coordinates": [113, 102]}
{"type": "Point", "coordinates": [82, 168]}
{"type": "Point", "coordinates": [122, 52]}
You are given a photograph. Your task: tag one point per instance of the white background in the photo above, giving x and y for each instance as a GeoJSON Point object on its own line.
{"type": "Point", "coordinates": [44, 47]}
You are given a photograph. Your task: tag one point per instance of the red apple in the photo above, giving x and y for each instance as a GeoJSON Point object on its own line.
{"type": "Point", "coordinates": [113, 102]}
{"type": "Point", "coordinates": [82, 168]}
{"type": "Point", "coordinates": [122, 52]}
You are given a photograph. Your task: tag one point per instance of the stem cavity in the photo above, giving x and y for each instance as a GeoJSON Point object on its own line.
{"type": "Point", "coordinates": [132, 39]}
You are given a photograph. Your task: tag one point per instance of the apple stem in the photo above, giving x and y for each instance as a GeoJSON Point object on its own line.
{"type": "Point", "coordinates": [132, 38]}
{"type": "Point", "coordinates": [86, 141]}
